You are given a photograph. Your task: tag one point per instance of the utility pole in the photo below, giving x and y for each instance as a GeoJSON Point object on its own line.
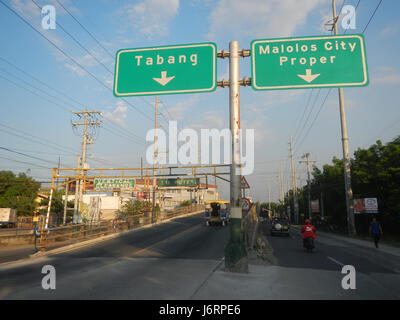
{"type": "Point", "coordinates": [322, 206]}
{"type": "Point", "coordinates": [269, 196]}
{"type": "Point", "coordinates": [86, 140]}
{"type": "Point", "coordinates": [294, 185]}
{"type": "Point", "coordinates": [308, 161]}
{"type": "Point", "coordinates": [345, 144]}
{"type": "Point", "coordinates": [280, 184]}
{"type": "Point", "coordinates": [76, 203]}
{"type": "Point", "coordinates": [288, 199]}
{"type": "Point", "coordinates": [235, 251]}
{"type": "Point", "coordinates": [154, 157]}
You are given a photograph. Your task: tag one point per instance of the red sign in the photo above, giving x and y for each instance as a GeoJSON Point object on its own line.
{"type": "Point", "coordinates": [246, 203]}
{"type": "Point", "coordinates": [244, 184]}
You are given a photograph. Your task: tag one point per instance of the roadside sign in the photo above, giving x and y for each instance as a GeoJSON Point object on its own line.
{"type": "Point", "coordinates": [244, 184]}
{"type": "Point", "coordinates": [246, 203]}
{"type": "Point", "coordinates": [178, 182]}
{"type": "Point", "coordinates": [309, 62]}
{"type": "Point", "coordinates": [189, 68]}
{"type": "Point", "coordinates": [110, 183]}
{"type": "Point", "coordinates": [366, 205]}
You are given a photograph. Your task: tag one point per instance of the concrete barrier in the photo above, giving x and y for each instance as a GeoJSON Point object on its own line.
{"type": "Point", "coordinates": [12, 240]}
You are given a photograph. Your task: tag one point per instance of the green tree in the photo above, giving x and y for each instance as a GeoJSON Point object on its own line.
{"type": "Point", "coordinates": [18, 192]}
{"type": "Point", "coordinates": [134, 208]}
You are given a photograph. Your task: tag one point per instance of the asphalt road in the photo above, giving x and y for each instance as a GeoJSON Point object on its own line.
{"type": "Point", "coordinates": [377, 273]}
{"type": "Point", "coordinates": [183, 259]}
{"type": "Point", "coordinates": [167, 261]}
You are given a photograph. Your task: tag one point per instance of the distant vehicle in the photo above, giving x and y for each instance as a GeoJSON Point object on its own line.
{"type": "Point", "coordinates": [280, 226]}
{"type": "Point", "coordinates": [8, 218]}
{"type": "Point", "coordinates": [217, 212]}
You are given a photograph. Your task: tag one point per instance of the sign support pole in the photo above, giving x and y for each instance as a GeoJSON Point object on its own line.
{"type": "Point", "coordinates": [235, 251]}
{"type": "Point", "coordinates": [345, 144]}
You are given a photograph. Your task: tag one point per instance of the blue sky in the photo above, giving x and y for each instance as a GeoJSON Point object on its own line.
{"type": "Point", "coordinates": [43, 113]}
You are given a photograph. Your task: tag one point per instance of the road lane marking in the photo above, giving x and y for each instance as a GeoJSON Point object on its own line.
{"type": "Point", "coordinates": [337, 262]}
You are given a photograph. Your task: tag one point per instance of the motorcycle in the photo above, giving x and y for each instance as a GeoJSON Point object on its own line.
{"type": "Point", "coordinates": [309, 244]}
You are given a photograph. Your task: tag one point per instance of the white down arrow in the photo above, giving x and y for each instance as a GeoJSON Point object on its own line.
{"type": "Point", "coordinates": [308, 76]}
{"type": "Point", "coordinates": [164, 79]}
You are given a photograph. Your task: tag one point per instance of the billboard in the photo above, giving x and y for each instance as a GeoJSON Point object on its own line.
{"type": "Point", "coordinates": [315, 206]}
{"type": "Point", "coordinates": [366, 205]}
{"type": "Point", "coordinates": [178, 182]}
{"type": "Point", "coordinates": [113, 183]}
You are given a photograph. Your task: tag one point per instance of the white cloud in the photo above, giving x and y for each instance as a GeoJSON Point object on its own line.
{"type": "Point", "coordinates": [119, 114]}
{"type": "Point", "coordinates": [389, 31]}
{"type": "Point", "coordinates": [387, 79]}
{"type": "Point", "coordinates": [152, 17]}
{"type": "Point", "coordinates": [257, 18]}
{"type": "Point", "coordinates": [180, 108]}
{"type": "Point", "coordinates": [385, 75]}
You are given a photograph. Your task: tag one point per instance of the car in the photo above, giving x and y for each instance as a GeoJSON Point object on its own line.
{"type": "Point", "coordinates": [281, 227]}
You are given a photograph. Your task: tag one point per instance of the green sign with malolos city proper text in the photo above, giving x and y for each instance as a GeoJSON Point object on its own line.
{"type": "Point", "coordinates": [184, 182]}
{"type": "Point", "coordinates": [309, 62]}
{"type": "Point", "coordinates": [190, 68]}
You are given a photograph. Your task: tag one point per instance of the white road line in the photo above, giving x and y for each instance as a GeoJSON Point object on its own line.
{"type": "Point", "coordinates": [334, 260]}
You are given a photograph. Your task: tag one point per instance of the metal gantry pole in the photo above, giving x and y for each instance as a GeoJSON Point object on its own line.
{"type": "Point", "coordinates": [345, 144]}
{"type": "Point", "coordinates": [235, 251]}
{"type": "Point", "coordinates": [154, 158]}
{"type": "Point", "coordinates": [65, 204]}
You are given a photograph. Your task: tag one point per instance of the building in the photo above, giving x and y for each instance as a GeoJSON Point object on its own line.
{"type": "Point", "coordinates": [168, 197]}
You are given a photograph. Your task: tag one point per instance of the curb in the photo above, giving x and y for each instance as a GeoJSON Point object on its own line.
{"type": "Point", "coordinates": [86, 243]}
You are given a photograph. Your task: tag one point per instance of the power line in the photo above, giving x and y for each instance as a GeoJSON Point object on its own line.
{"type": "Point", "coordinates": [59, 105]}
{"type": "Point", "coordinates": [304, 112]}
{"type": "Point", "coordinates": [69, 57]}
{"type": "Point", "coordinates": [323, 103]}
{"type": "Point", "coordinates": [309, 114]}
{"type": "Point", "coordinates": [27, 155]}
{"type": "Point", "coordinates": [88, 32]}
{"type": "Point", "coordinates": [29, 163]}
{"type": "Point", "coordinates": [372, 16]}
{"type": "Point", "coordinates": [64, 95]}
{"type": "Point", "coordinates": [79, 44]}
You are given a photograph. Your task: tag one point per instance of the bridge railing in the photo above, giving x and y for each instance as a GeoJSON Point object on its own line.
{"type": "Point", "coordinates": [81, 232]}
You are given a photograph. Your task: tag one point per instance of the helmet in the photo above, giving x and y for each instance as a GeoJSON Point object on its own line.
{"type": "Point", "coordinates": [308, 221]}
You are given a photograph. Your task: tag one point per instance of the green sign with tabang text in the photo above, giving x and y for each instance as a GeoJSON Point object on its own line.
{"type": "Point", "coordinates": [309, 62]}
{"type": "Point", "coordinates": [190, 68]}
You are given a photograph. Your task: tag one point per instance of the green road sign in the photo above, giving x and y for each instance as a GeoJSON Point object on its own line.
{"type": "Point", "coordinates": [178, 182]}
{"type": "Point", "coordinates": [110, 183]}
{"type": "Point", "coordinates": [309, 62]}
{"type": "Point", "coordinates": [189, 68]}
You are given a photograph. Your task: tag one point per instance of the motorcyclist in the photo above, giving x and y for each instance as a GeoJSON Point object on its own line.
{"type": "Point", "coordinates": [308, 230]}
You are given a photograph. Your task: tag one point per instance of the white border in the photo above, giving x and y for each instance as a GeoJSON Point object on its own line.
{"type": "Point", "coordinates": [161, 92]}
{"type": "Point", "coordinates": [310, 85]}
